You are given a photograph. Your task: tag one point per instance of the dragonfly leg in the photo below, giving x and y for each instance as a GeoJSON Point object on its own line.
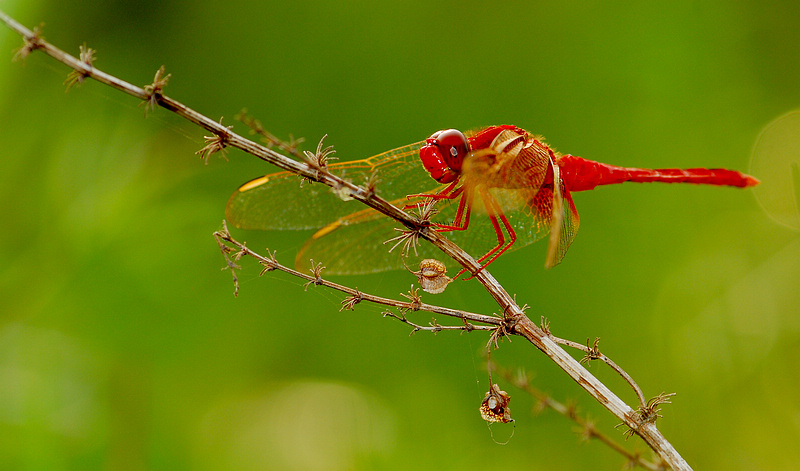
{"type": "Point", "coordinates": [502, 246]}
{"type": "Point", "coordinates": [449, 193]}
{"type": "Point", "coordinates": [494, 211]}
{"type": "Point", "coordinates": [463, 212]}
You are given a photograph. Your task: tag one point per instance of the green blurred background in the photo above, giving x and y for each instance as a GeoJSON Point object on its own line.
{"type": "Point", "coordinates": [122, 346]}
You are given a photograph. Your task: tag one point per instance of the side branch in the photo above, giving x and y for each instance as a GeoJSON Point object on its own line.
{"type": "Point", "coordinates": [434, 327]}
{"type": "Point", "coordinates": [355, 296]}
{"type": "Point", "coordinates": [593, 353]}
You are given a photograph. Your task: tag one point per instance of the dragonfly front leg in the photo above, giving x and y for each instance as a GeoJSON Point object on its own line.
{"type": "Point", "coordinates": [449, 193]}
{"type": "Point", "coordinates": [461, 220]}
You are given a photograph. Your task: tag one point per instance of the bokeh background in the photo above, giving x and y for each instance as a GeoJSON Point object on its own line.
{"type": "Point", "coordinates": [122, 346]}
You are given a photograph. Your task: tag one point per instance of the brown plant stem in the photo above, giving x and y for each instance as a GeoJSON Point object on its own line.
{"type": "Point", "coordinates": [271, 263]}
{"type": "Point", "coordinates": [593, 353]}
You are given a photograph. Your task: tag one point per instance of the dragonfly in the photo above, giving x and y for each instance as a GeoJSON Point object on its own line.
{"type": "Point", "coordinates": [519, 188]}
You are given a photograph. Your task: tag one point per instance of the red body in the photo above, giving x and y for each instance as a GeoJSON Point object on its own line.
{"type": "Point", "coordinates": [509, 158]}
{"type": "Point", "coordinates": [580, 174]}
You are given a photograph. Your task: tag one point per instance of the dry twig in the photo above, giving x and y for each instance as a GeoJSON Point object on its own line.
{"type": "Point", "coordinates": [228, 245]}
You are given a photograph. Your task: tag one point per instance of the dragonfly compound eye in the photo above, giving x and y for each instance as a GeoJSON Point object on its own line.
{"type": "Point", "coordinates": [443, 154]}
{"type": "Point", "coordinates": [453, 146]}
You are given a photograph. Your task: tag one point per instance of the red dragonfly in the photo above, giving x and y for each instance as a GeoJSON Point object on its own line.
{"type": "Point", "coordinates": [512, 177]}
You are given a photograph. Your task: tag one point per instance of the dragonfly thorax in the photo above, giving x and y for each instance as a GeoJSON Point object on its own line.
{"type": "Point", "coordinates": [513, 160]}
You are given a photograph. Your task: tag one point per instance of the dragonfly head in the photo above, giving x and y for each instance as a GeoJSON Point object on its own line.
{"type": "Point", "coordinates": [443, 154]}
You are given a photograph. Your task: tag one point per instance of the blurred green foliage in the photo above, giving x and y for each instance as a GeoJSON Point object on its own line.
{"type": "Point", "coordinates": [122, 347]}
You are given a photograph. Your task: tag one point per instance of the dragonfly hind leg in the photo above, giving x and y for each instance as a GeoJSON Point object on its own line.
{"type": "Point", "coordinates": [494, 211]}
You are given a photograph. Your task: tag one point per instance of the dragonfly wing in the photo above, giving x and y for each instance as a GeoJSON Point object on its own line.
{"type": "Point", "coordinates": [277, 201]}
{"type": "Point", "coordinates": [570, 224]}
{"type": "Point", "coordinates": [564, 219]}
{"type": "Point", "coordinates": [351, 250]}
{"type": "Point", "coordinates": [281, 201]}
{"type": "Point", "coordinates": [367, 242]}
{"type": "Point", "coordinates": [562, 224]}
{"type": "Point", "coordinates": [360, 243]}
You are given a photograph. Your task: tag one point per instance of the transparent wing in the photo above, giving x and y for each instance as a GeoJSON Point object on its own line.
{"type": "Point", "coordinates": [560, 220]}
{"type": "Point", "coordinates": [360, 243]}
{"type": "Point", "coordinates": [347, 248]}
{"type": "Point", "coordinates": [279, 201]}
{"type": "Point", "coordinates": [367, 241]}
{"type": "Point", "coordinates": [555, 206]}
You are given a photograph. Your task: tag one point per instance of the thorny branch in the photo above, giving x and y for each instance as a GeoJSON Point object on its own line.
{"type": "Point", "coordinates": [434, 326]}
{"type": "Point", "coordinates": [593, 353]}
{"type": "Point", "coordinates": [639, 423]}
{"type": "Point", "coordinates": [409, 238]}
{"type": "Point", "coordinates": [649, 412]}
{"type": "Point", "coordinates": [234, 250]}
{"type": "Point", "coordinates": [290, 147]}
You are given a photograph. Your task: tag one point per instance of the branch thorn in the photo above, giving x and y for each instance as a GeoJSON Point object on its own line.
{"type": "Point", "coordinates": [349, 303]}
{"type": "Point", "coordinates": [269, 265]}
{"type": "Point", "coordinates": [76, 77]}
{"type": "Point", "coordinates": [155, 89]}
{"type": "Point", "coordinates": [592, 352]}
{"type": "Point", "coordinates": [316, 272]}
{"type": "Point", "coordinates": [30, 44]}
{"type": "Point", "coordinates": [414, 298]}
{"type": "Point", "coordinates": [215, 143]}
{"type": "Point", "coordinates": [318, 161]}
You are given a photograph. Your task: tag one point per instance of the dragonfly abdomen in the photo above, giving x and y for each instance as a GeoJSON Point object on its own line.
{"type": "Point", "coordinates": [580, 174]}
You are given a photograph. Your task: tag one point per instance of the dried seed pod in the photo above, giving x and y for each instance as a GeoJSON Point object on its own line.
{"type": "Point", "coordinates": [432, 276]}
{"type": "Point", "coordinates": [494, 407]}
